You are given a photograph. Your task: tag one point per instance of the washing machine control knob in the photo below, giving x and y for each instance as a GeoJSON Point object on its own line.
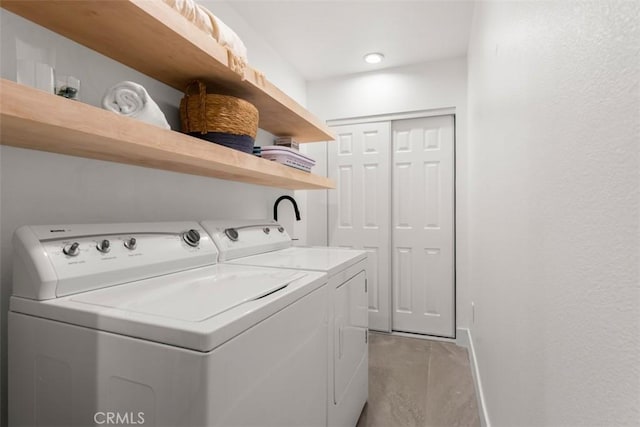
{"type": "Point", "coordinates": [266, 230]}
{"type": "Point", "coordinates": [130, 243]}
{"type": "Point", "coordinates": [281, 229]}
{"type": "Point", "coordinates": [104, 246]}
{"type": "Point", "coordinates": [191, 237]}
{"type": "Point", "coordinates": [72, 249]}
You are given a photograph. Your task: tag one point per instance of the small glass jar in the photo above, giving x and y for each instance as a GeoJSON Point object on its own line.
{"type": "Point", "coordinates": [68, 87]}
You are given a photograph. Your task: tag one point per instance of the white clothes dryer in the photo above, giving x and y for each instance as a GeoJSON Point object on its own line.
{"type": "Point", "coordinates": [267, 244]}
{"type": "Point", "coordinates": [136, 324]}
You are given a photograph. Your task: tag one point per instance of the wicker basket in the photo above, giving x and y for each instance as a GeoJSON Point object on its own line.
{"type": "Point", "coordinates": [221, 119]}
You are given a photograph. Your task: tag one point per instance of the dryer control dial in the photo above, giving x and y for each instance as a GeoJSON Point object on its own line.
{"type": "Point", "coordinates": [191, 237]}
{"type": "Point", "coordinates": [232, 234]}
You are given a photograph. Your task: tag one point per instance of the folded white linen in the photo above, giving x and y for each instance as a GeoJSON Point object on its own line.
{"type": "Point", "coordinates": [202, 17]}
{"type": "Point", "coordinates": [132, 100]}
{"type": "Point", "coordinates": [226, 36]}
{"type": "Point", "coordinates": [193, 13]}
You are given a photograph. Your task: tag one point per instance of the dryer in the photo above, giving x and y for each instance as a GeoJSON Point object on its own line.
{"type": "Point", "coordinates": [137, 324]}
{"type": "Point", "coordinates": [267, 244]}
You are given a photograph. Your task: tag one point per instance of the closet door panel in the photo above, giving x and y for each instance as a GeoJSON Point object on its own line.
{"type": "Point", "coordinates": [359, 208]}
{"type": "Point", "coordinates": [423, 289]}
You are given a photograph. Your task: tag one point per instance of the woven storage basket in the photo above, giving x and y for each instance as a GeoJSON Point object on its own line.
{"type": "Point", "coordinates": [222, 119]}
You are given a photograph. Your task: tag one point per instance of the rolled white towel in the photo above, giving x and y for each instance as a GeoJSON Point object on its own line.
{"type": "Point", "coordinates": [132, 100]}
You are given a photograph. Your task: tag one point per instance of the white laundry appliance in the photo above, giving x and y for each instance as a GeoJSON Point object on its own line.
{"type": "Point", "coordinates": [267, 244]}
{"type": "Point", "coordinates": [136, 324]}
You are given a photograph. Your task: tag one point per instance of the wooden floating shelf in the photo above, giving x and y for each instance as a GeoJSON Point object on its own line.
{"type": "Point", "coordinates": [154, 39]}
{"type": "Point", "coordinates": [37, 120]}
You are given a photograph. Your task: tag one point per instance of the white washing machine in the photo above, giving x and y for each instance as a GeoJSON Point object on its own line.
{"type": "Point", "coordinates": [136, 324]}
{"type": "Point", "coordinates": [267, 244]}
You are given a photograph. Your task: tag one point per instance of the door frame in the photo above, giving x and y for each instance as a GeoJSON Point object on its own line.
{"type": "Point", "coordinates": [393, 116]}
{"type": "Point", "coordinates": [445, 111]}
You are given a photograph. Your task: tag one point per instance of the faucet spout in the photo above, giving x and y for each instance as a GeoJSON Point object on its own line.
{"type": "Point", "coordinates": [293, 202]}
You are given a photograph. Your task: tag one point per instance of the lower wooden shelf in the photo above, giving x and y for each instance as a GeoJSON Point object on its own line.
{"type": "Point", "coordinates": [30, 118]}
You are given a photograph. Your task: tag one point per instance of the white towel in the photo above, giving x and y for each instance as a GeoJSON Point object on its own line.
{"type": "Point", "coordinates": [193, 13]}
{"type": "Point", "coordinates": [227, 37]}
{"type": "Point", "coordinates": [202, 17]}
{"type": "Point", "coordinates": [132, 100]}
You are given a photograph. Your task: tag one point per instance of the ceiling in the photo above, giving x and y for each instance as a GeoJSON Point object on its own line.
{"type": "Point", "coordinates": [322, 39]}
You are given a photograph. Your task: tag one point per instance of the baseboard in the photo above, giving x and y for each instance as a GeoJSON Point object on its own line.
{"type": "Point", "coordinates": [423, 337]}
{"type": "Point", "coordinates": [464, 339]}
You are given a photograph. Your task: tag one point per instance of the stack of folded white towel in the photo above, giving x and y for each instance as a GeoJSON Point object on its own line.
{"type": "Point", "coordinates": [212, 25]}
{"type": "Point", "coordinates": [193, 13]}
{"type": "Point", "coordinates": [132, 100]}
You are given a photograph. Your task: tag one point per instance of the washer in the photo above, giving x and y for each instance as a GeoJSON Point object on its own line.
{"type": "Point", "coordinates": [136, 324]}
{"type": "Point", "coordinates": [267, 244]}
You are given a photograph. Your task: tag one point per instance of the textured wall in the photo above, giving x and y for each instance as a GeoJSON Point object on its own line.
{"type": "Point", "coordinates": [554, 132]}
{"type": "Point", "coordinates": [40, 188]}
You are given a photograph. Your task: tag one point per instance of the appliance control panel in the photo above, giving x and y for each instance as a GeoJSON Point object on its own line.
{"type": "Point", "coordinates": [54, 261]}
{"type": "Point", "coordinates": [240, 238]}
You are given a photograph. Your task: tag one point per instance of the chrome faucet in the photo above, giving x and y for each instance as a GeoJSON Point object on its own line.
{"type": "Point", "coordinates": [293, 202]}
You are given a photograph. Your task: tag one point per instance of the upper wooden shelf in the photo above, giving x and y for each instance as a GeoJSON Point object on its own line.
{"type": "Point", "coordinates": [30, 118]}
{"type": "Point", "coordinates": [154, 39]}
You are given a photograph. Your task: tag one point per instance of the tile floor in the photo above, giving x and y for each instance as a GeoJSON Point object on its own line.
{"type": "Point", "coordinates": [416, 382]}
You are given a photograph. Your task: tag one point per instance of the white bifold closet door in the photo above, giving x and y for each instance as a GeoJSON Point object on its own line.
{"type": "Point", "coordinates": [359, 208]}
{"type": "Point", "coordinates": [423, 226]}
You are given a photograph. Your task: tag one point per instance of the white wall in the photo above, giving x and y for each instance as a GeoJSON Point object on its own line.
{"type": "Point", "coordinates": [41, 188]}
{"type": "Point", "coordinates": [554, 131]}
{"type": "Point", "coordinates": [433, 85]}
{"type": "Point", "coordinates": [430, 85]}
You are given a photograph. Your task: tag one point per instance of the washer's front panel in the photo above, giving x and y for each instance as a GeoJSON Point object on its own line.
{"type": "Point", "coordinates": [273, 374]}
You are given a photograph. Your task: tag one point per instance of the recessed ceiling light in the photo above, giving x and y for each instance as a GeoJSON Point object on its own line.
{"type": "Point", "coordinates": [373, 58]}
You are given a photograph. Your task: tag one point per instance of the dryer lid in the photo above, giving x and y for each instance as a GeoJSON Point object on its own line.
{"type": "Point", "coordinates": [327, 259]}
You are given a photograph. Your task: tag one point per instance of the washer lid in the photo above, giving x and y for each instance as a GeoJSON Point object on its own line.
{"type": "Point", "coordinates": [197, 309]}
{"type": "Point", "coordinates": [191, 300]}
{"type": "Point", "coordinates": [327, 259]}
